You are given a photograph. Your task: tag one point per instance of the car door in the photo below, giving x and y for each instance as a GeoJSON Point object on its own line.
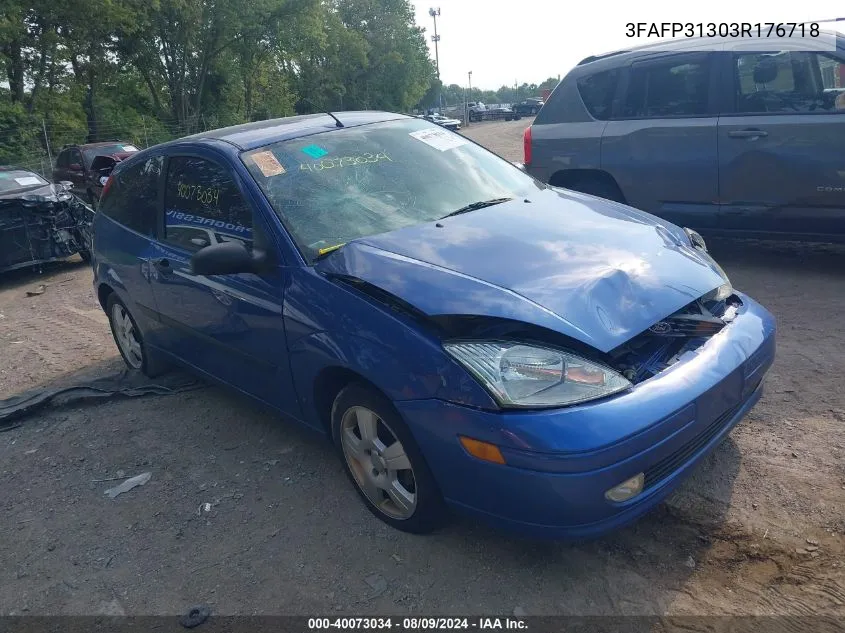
{"type": "Point", "coordinates": [781, 164]}
{"type": "Point", "coordinates": [75, 171]}
{"type": "Point", "coordinates": [660, 144]}
{"type": "Point", "coordinates": [229, 326]}
{"type": "Point", "coordinates": [62, 162]}
{"type": "Point", "coordinates": [124, 236]}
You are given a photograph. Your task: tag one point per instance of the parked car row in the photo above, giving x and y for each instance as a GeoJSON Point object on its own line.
{"type": "Point", "coordinates": [444, 121]}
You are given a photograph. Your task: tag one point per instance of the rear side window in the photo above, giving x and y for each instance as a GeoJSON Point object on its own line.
{"type": "Point", "coordinates": [657, 90]}
{"type": "Point", "coordinates": [203, 205]}
{"type": "Point", "coordinates": [789, 82]}
{"type": "Point", "coordinates": [597, 93]}
{"type": "Point", "coordinates": [132, 198]}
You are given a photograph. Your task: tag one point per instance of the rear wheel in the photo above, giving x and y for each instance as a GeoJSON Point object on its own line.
{"type": "Point", "coordinates": [130, 341]}
{"type": "Point", "coordinates": [383, 461]}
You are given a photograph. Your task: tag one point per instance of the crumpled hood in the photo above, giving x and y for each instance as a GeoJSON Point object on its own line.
{"type": "Point", "coordinates": [594, 270]}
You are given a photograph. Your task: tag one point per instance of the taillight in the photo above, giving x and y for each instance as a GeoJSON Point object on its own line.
{"type": "Point", "coordinates": [526, 143]}
{"type": "Point", "coordinates": [106, 187]}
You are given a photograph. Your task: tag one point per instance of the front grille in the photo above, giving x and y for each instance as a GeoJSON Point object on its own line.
{"type": "Point", "coordinates": [669, 464]}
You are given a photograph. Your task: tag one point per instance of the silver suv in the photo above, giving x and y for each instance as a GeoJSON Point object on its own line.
{"type": "Point", "coordinates": [731, 142]}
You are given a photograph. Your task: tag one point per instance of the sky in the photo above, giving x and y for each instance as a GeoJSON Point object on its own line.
{"type": "Point", "coordinates": [528, 41]}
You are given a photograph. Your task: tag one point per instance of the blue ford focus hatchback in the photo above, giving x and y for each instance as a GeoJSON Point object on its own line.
{"type": "Point", "coordinates": [468, 337]}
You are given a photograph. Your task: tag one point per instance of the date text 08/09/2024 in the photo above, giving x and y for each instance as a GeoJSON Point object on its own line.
{"type": "Point", "coordinates": [418, 624]}
{"type": "Point", "coordinates": [723, 29]}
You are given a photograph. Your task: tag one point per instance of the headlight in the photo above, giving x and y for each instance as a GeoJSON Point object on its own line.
{"type": "Point", "coordinates": [719, 294]}
{"type": "Point", "coordinates": [527, 376]}
{"type": "Point", "coordinates": [726, 289]}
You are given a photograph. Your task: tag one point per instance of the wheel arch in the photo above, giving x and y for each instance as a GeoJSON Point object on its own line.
{"type": "Point", "coordinates": [580, 179]}
{"type": "Point", "coordinates": [328, 383]}
{"type": "Point", "coordinates": [103, 293]}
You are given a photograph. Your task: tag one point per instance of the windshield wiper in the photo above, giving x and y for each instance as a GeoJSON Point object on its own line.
{"type": "Point", "coordinates": [477, 205]}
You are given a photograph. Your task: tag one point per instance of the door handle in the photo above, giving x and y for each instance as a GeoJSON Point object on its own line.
{"type": "Point", "coordinates": [747, 133]}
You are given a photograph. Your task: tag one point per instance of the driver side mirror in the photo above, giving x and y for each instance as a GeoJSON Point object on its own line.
{"type": "Point", "coordinates": [228, 258]}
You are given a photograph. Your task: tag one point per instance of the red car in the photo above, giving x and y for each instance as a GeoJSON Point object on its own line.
{"type": "Point", "coordinates": [88, 166]}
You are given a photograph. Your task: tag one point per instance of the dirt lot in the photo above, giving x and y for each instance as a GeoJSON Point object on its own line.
{"type": "Point", "coordinates": [760, 528]}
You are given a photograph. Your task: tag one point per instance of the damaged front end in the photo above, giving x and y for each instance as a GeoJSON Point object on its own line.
{"type": "Point", "coordinates": [666, 341]}
{"type": "Point", "coordinates": [43, 226]}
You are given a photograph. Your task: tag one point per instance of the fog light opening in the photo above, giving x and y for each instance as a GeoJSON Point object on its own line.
{"type": "Point", "coordinates": [628, 489]}
{"type": "Point", "coordinates": [482, 450]}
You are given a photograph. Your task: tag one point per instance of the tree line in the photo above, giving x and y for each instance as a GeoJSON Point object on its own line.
{"type": "Point", "coordinates": [149, 70]}
{"type": "Point", "coordinates": [88, 70]}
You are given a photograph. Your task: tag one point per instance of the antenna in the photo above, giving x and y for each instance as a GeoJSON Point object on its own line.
{"type": "Point", "coordinates": [316, 107]}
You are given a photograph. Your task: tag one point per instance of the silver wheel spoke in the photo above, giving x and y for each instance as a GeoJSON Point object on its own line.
{"type": "Point", "coordinates": [405, 501]}
{"type": "Point", "coordinates": [135, 348]}
{"type": "Point", "coordinates": [354, 446]}
{"type": "Point", "coordinates": [395, 457]}
{"type": "Point", "coordinates": [371, 489]}
{"type": "Point", "coordinates": [367, 425]}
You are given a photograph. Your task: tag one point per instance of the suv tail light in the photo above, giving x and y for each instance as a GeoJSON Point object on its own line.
{"type": "Point", "coordinates": [106, 187]}
{"type": "Point", "coordinates": [526, 142]}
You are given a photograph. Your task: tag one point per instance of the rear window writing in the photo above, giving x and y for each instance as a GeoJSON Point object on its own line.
{"type": "Point", "coordinates": [201, 195]}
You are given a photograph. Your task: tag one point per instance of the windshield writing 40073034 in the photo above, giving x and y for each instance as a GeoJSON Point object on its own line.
{"type": "Point", "coordinates": [345, 161]}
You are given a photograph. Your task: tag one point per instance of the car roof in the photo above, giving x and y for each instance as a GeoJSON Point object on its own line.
{"type": "Point", "coordinates": [259, 133]}
{"type": "Point", "coordinates": [689, 44]}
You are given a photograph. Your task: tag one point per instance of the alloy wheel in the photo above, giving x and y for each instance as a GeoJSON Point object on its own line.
{"type": "Point", "coordinates": [379, 463]}
{"type": "Point", "coordinates": [126, 336]}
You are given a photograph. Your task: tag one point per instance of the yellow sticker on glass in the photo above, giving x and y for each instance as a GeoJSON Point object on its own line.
{"type": "Point", "coordinates": [268, 164]}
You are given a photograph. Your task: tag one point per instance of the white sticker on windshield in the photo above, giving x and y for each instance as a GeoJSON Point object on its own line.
{"type": "Point", "coordinates": [27, 180]}
{"type": "Point", "coordinates": [440, 139]}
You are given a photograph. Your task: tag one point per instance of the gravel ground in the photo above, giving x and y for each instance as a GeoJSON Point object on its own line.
{"type": "Point", "coordinates": [759, 529]}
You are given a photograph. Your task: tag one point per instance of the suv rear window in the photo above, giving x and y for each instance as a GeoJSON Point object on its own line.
{"type": "Point", "coordinates": [132, 198]}
{"type": "Point", "coordinates": [667, 89]}
{"type": "Point", "coordinates": [597, 93]}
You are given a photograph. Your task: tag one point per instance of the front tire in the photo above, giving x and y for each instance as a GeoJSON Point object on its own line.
{"type": "Point", "coordinates": [383, 461]}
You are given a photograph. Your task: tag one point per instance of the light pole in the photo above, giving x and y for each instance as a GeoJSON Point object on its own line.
{"type": "Point", "coordinates": [469, 96]}
{"type": "Point", "coordinates": [436, 39]}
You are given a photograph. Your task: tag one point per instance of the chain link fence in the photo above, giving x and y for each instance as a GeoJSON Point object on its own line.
{"type": "Point", "coordinates": [40, 147]}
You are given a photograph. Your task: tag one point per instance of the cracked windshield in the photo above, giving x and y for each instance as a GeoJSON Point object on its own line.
{"type": "Point", "coordinates": [354, 182]}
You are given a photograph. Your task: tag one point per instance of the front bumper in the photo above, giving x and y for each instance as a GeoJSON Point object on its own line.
{"type": "Point", "coordinates": [560, 462]}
